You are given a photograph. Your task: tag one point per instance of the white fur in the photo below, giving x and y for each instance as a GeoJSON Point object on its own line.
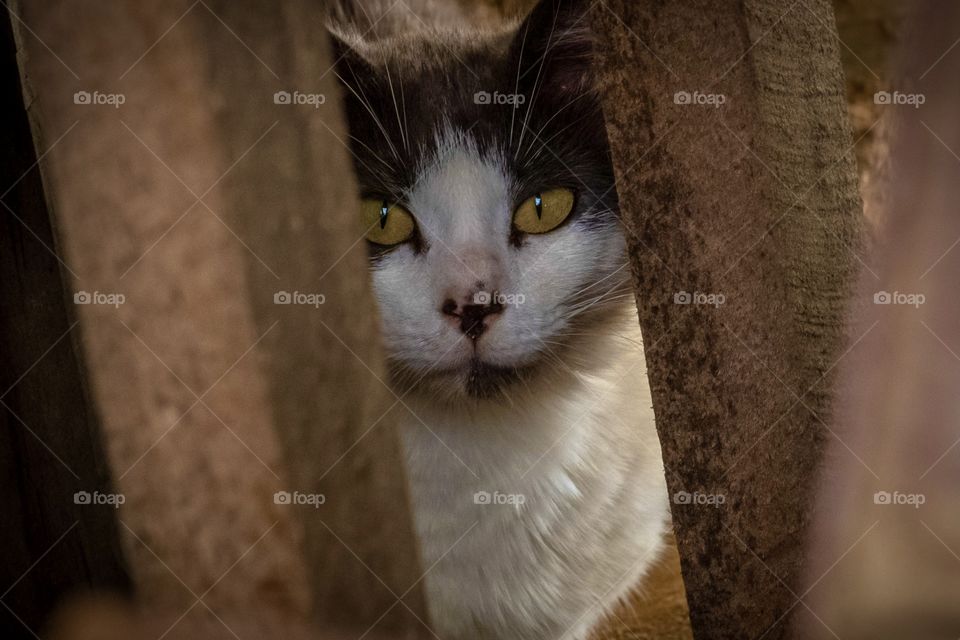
{"type": "Point", "coordinates": [586, 458]}
{"type": "Point", "coordinates": [576, 440]}
{"type": "Point", "coordinates": [463, 208]}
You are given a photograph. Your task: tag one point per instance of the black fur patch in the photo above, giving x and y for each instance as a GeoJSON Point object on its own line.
{"type": "Point", "coordinates": [486, 380]}
{"type": "Point", "coordinates": [554, 138]}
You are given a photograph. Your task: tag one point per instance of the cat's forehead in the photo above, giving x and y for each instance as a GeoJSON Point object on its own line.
{"type": "Point", "coordinates": [472, 118]}
{"type": "Point", "coordinates": [421, 118]}
{"type": "Point", "coordinates": [417, 53]}
{"type": "Point", "coordinates": [461, 188]}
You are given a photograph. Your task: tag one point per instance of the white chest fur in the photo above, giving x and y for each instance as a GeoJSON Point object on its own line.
{"type": "Point", "coordinates": [535, 518]}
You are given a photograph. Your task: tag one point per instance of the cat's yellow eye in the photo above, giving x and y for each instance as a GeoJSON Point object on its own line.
{"type": "Point", "coordinates": [387, 223]}
{"type": "Point", "coordinates": [544, 212]}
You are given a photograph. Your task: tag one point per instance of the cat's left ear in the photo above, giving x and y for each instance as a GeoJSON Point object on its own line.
{"type": "Point", "coordinates": [553, 48]}
{"type": "Point", "coordinates": [351, 51]}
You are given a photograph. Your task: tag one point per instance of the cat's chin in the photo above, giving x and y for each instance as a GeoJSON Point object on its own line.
{"type": "Point", "coordinates": [476, 380]}
{"type": "Point", "coordinates": [485, 380]}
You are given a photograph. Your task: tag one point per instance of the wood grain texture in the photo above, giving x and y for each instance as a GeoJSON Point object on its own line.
{"type": "Point", "coordinates": [50, 435]}
{"type": "Point", "coordinates": [752, 198]}
{"type": "Point", "coordinates": [199, 198]}
{"type": "Point", "coordinates": [295, 203]}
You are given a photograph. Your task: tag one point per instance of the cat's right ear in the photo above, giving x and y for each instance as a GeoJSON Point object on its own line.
{"type": "Point", "coordinates": [553, 48]}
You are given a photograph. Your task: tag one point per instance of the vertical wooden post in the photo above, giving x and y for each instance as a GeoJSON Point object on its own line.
{"type": "Point", "coordinates": [738, 186]}
{"type": "Point", "coordinates": [206, 206]}
{"type": "Point", "coordinates": [892, 516]}
{"type": "Point", "coordinates": [50, 437]}
{"type": "Point", "coordinates": [294, 202]}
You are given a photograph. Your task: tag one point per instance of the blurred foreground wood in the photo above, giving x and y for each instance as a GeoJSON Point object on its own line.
{"type": "Point", "coordinates": [51, 443]}
{"type": "Point", "coordinates": [887, 560]}
{"type": "Point", "coordinates": [107, 618]}
{"type": "Point", "coordinates": [219, 280]}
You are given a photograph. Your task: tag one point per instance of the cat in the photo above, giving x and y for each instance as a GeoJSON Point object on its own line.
{"type": "Point", "coordinates": [499, 267]}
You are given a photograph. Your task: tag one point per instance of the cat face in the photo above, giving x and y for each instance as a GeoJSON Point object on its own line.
{"type": "Point", "coordinates": [496, 251]}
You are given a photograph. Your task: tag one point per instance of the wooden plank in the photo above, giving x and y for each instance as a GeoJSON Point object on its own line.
{"type": "Point", "coordinates": [294, 203]}
{"type": "Point", "coordinates": [50, 438]}
{"type": "Point", "coordinates": [185, 188]}
{"type": "Point", "coordinates": [737, 181]}
{"type": "Point", "coordinates": [892, 515]}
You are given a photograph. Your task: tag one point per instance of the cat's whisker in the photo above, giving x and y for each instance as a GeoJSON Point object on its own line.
{"type": "Point", "coordinates": [366, 105]}
{"type": "Point", "coordinates": [527, 332]}
{"type": "Point", "coordinates": [551, 354]}
{"type": "Point", "coordinates": [372, 152]}
{"type": "Point", "coordinates": [619, 288]}
{"type": "Point", "coordinates": [380, 175]}
{"type": "Point", "coordinates": [536, 136]}
{"type": "Point", "coordinates": [516, 84]}
{"type": "Point", "coordinates": [580, 308]}
{"type": "Point", "coordinates": [595, 283]}
{"type": "Point", "coordinates": [545, 144]}
{"type": "Point", "coordinates": [595, 304]}
{"type": "Point", "coordinates": [403, 103]}
{"type": "Point", "coordinates": [371, 22]}
{"type": "Point", "coordinates": [617, 336]}
{"type": "Point", "coordinates": [536, 83]}
{"type": "Point", "coordinates": [396, 109]}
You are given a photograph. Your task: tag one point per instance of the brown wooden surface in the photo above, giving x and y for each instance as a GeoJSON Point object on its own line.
{"type": "Point", "coordinates": [898, 408]}
{"type": "Point", "coordinates": [755, 200]}
{"type": "Point", "coordinates": [50, 438]}
{"type": "Point", "coordinates": [199, 198]}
